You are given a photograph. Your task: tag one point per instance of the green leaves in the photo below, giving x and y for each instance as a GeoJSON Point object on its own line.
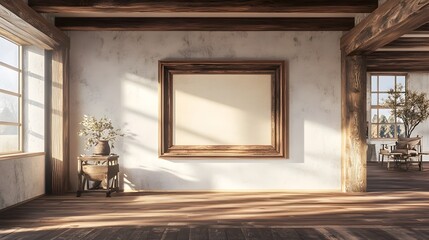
{"type": "Point", "coordinates": [95, 130]}
{"type": "Point", "coordinates": [413, 108]}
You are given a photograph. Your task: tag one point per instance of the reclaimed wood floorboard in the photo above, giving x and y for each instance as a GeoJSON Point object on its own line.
{"type": "Point", "coordinates": [396, 206]}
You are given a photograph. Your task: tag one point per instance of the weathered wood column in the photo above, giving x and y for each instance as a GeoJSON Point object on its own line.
{"type": "Point", "coordinates": [59, 121]}
{"type": "Point", "coordinates": [353, 123]}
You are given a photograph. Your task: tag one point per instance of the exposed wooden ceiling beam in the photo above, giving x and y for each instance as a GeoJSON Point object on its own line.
{"type": "Point", "coordinates": [22, 24]}
{"type": "Point", "coordinates": [423, 29]}
{"type": "Point", "coordinates": [206, 24]}
{"type": "Point", "coordinates": [312, 6]}
{"type": "Point", "coordinates": [408, 42]}
{"type": "Point", "coordinates": [414, 61]}
{"type": "Point", "coordinates": [386, 24]}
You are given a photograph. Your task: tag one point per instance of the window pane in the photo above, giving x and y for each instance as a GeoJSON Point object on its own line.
{"type": "Point", "coordinates": [374, 131]}
{"type": "Point", "coordinates": [400, 81]}
{"type": "Point", "coordinates": [9, 108]}
{"type": "Point", "coordinates": [400, 130]}
{"type": "Point", "coordinates": [382, 98]}
{"type": "Point", "coordinates": [9, 139]}
{"type": "Point", "coordinates": [374, 117]}
{"type": "Point", "coordinates": [386, 116]}
{"type": "Point", "coordinates": [374, 86]}
{"type": "Point", "coordinates": [9, 79]}
{"type": "Point", "coordinates": [402, 96]}
{"type": "Point", "coordinates": [374, 99]}
{"type": "Point", "coordinates": [384, 124]}
{"type": "Point", "coordinates": [386, 130]}
{"type": "Point", "coordinates": [9, 52]}
{"type": "Point", "coordinates": [386, 83]}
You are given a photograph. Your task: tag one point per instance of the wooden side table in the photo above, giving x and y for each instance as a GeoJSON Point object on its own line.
{"type": "Point", "coordinates": [98, 169]}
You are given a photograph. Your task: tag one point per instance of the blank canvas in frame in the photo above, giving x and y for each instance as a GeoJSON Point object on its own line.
{"type": "Point", "coordinates": [222, 109]}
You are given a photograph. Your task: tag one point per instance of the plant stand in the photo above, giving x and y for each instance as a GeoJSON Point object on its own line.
{"type": "Point", "coordinates": [98, 169]}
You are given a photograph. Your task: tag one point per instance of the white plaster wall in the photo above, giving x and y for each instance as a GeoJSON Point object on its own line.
{"type": "Point", "coordinates": [21, 179]}
{"type": "Point", "coordinates": [115, 74]}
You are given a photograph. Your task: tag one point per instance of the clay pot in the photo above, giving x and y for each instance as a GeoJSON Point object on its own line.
{"type": "Point", "coordinates": [102, 148]}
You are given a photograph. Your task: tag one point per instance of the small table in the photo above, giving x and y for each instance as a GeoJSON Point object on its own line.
{"type": "Point", "coordinates": [98, 168]}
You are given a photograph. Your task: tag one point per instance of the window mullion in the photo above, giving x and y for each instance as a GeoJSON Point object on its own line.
{"type": "Point", "coordinates": [11, 93]}
{"type": "Point", "coordinates": [18, 69]}
{"type": "Point", "coordinates": [10, 123]}
{"type": "Point", "coordinates": [20, 110]}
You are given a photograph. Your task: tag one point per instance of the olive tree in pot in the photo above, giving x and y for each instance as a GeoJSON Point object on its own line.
{"type": "Point", "coordinates": [99, 133]}
{"type": "Point", "coordinates": [412, 108]}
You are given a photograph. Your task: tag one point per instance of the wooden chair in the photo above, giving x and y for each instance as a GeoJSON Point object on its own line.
{"type": "Point", "coordinates": [409, 148]}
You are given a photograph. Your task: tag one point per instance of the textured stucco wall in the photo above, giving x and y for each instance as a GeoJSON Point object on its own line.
{"type": "Point", "coordinates": [21, 179]}
{"type": "Point", "coordinates": [115, 74]}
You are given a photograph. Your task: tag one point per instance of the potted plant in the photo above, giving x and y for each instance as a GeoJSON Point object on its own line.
{"type": "Point", "coordinates": [99, 133]}
{"type": "Point", "coordinates": [412, 108]}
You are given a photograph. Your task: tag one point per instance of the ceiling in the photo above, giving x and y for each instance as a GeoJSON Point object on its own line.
{"type": "Point", "coordinates": [226, 15]}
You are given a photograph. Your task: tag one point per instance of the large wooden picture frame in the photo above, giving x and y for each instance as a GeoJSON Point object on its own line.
{"type": "Point", "coordinates": [277, 115]}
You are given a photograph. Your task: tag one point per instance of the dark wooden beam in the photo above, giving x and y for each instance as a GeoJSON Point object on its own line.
{"type": "Point", "coordinates": [206, 24]}
{"type": "Point", "coordinates": [21, 23]}
{"type": "Point", "coordinates": [414, 61]}
{"type": "Point", "coordinates": [353, 123]}
{"type": "Point", "coordinates": [247, 6]}
{"type": "Point", "coordinates": [386, 24]}
{"type": "Point", "coordinates": [423, 29]}
{"type": "Point", "coordinates": [409, 43]}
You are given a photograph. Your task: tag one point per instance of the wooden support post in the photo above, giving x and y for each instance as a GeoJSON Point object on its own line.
{"type": "Point", "coordinates": [353, 123]}
{"type": "Point", "coordinates": [59, 121]}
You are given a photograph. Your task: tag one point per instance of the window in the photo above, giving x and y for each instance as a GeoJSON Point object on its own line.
{"type": "Point", "coordinates": [10, 97]}
{"type": "Point", "coordinates": [384, 124]}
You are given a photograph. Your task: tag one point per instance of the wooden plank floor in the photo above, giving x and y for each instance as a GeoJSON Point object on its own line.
{"type": "Point", "coordinates": [397, 207]}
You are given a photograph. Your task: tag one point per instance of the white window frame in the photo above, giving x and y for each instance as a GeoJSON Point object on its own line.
{"type": "Point", "coordinates": [19, 124]}
{"type": "Point", "coordinates": [378, 106]}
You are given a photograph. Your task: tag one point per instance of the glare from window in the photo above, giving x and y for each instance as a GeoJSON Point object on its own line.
{"type": "Point", "coordinates": [10, 97]}
{"type": "Point", "coordinates": [9, 52]}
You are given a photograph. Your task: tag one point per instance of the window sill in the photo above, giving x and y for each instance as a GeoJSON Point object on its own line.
{"type": "Point", "coordinates": [20, 155]}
